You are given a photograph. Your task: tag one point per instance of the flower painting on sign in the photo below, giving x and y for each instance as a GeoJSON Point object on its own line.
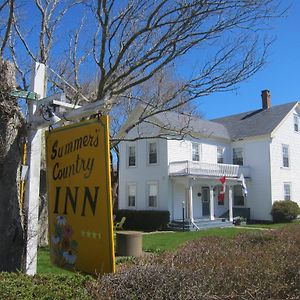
{"type": "Point", "coordinates": [64, 246]}
{"type": "Point", "coordinates": [79, 197]}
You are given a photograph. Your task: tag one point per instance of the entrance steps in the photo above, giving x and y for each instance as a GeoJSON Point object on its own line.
{"type": "Point", "coordinates": [199, 224]}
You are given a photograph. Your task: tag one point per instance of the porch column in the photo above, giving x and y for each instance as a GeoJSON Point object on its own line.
{"type": "Point", "coordinates": [190, 193]}
{"type": "Point", "coordinates": [230, 204]}
{"type": "Point", "coordinates": [212, 203]}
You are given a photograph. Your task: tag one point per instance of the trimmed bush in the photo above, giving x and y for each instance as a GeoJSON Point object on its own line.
{"type": "Point", "coordinates": [258, 265]}
{"type": "Point", "coordinates": [144, 219]}
{"type": "Point", "coordinates": [21, 286]}
{"type": "Point", "coordinates": [284, 211]}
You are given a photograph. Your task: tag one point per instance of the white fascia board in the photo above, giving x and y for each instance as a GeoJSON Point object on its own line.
{"type": "Point", "coordinates": [284, 119]}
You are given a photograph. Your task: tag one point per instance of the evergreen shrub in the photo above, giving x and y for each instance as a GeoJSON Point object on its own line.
{"type": "Point", "coordinates": [144, 219]}
{"type": "Point", "coordinates": [284, 211]}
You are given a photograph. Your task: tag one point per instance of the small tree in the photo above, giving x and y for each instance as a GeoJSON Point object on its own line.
{"type": "Point", "coordinates": [284, 211]}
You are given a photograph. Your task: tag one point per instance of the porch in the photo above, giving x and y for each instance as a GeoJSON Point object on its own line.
{"type": "Point", "coordinates": [199, 224]}
{"type": "Point", "coordinates": [196, 188]}
{"type": "Point", "coordinates": [187, 167]}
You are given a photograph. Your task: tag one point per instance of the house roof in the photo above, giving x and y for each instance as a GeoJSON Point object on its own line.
{"type": "Point", "coordinates": [193, 124]}
{"type": "Point", "coordinates": [256, 122]}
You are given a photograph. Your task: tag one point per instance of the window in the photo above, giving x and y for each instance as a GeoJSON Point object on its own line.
{"type": "Point", "coordinates": [131, 156]}
{"type": "Point", "coordinates": [220, 155]}
{"type": "Point", "coordinates": [195, 152]}
{"type": "Point", "coordinates": [152, 194]}
{"type": "Point", "coordinates": [237, 156]}
{"type": "Point", "coordinates": [285, 156]}
{"type": "Point", "coordinates": [152, 153]}
{"type": "Point", "coordinates": [287, 191]}
{"type": "Point", "coordinates": [296, 123]}
{"type": "Point", "coordinates": [131, 195]}
{"type": "Point", "coordinates": [238, 198]}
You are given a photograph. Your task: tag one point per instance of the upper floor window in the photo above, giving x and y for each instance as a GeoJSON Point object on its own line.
{"type": "Point", "coordinates": [220, 155]}
{"type": "Point", "coordinates": [195, 152]}
{"type": "Point", "coordinates": [131, 195]}
{"type": "Point", "coordinates": [131, 156]}
{"type": "Point", "coordinates": [285, 156]}
{"type": "Point", "coordinates": [152, 194]}
{"type": "Point", "coordinates": [287, 191]}
{"type": "Point", "coordinates": [237, 156]}
{"type": "Point", "coordinates": [152, 150]}
{"type": "Point", "coordinates": [296, 123]}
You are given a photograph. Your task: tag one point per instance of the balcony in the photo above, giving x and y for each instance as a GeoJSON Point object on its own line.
{"type": "Point", "coordinates": [182, 168]}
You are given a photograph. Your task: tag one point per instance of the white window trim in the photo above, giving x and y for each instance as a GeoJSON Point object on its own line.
{"type": "Point", "coordinates": [127, 195]}
{"type": "Point", "coordinates": [148, 183]}
{"type": "Point", "coordinates": [127, 155]}
{"type": "Point", "coordinates": [243, 155]}
{"type": "Point", "coordinates": [199, 151]}
{"type": "Point", "coordinates": [289, 156]}
{"type": "Point", "coordinates": [295, 115]}
{"type": "Point", "coordinates": [287, 183]}
{"type": "Point", "coordinates": [148, 153]}
{"type": "Point", "coordinates": [223, 150]}
{"type": "Point", "coordinates": [233, 205]}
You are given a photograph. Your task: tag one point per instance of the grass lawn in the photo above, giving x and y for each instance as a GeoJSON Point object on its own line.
{"type": "Point", "coordinates": [273, 226]}
{"type": "Point", "coordinates": [162, 241]}
{"type": "Point", "coordinates": [44, 265]}
{"type": "Point", "coordinates": [156, 242]}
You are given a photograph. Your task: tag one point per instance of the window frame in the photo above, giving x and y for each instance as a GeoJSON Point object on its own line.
{"type": "Point", "coordinates": [286, 162]}
{"type": "Point", "coordinates": [222, 153]}
{"type": "Point", "coordinates": [287, 196]}
{"type": "Point", "coordinates": [148, 153]}
{"type": "Point", "coordinates": [233, 158]}
{"type": "Point", "coordinates": [296, 122]}
{"type": "Point", "coordinates": [131, 184]}
{"type": "Point", "coordinates": [152, 183]}
{"type": "Point", "coordinates": [197, 145]}
{"type": "Point", "coordinates": [128, 155]}
{"type": "Point", "coordinates": [239, 197]}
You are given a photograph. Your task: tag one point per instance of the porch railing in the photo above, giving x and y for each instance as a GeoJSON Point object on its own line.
{"type": "Point", "coordinates": [207, 169]}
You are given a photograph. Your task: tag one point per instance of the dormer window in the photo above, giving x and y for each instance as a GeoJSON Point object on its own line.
{"type": "Point", "coordinates": [296, 123]}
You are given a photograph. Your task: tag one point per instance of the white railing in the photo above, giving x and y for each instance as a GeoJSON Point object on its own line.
{"type": "Point", "coordinates": [207, 169]}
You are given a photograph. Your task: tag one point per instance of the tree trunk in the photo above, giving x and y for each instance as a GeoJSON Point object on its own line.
{"type": "Point", "coordinates": [11, 124]}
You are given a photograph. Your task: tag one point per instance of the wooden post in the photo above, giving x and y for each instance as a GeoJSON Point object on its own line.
{"type": "Point", "coordinates": [32, 187]}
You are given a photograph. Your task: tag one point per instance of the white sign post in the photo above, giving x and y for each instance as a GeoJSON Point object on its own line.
{"type": "Point", "coordinates": [32, 188]}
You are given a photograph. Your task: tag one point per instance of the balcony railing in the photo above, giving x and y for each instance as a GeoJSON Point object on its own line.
{"type": "Point", "coordinates": [207, 169]}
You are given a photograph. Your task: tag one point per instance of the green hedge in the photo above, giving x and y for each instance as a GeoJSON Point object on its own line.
{"type": "Point", "coordinates": [21, 286]}
{"type": "Point", "coordinates": [144, 219]}
{"type": "Point", "coordinates": [284, 211]}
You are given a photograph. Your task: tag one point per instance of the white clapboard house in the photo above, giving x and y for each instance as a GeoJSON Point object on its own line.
{"type": "Point", "coordinates": [172, 173]}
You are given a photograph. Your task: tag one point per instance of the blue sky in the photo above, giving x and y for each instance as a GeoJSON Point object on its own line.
{"type": "Point", "coordinates": [281, 74]}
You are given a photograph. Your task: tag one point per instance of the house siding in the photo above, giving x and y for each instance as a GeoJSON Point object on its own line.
{"type": "Point", "coordinates": [181, 150]}
{"type": "Point", "coordinates": [144, 173]}
{"type": "Point", "coordinates": [257, 157]}
{"type": "Point", "coordinates": [286, 135]}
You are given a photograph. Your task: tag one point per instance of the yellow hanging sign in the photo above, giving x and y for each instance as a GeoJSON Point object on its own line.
{"type": "Point", "coordinates": [79, 197]}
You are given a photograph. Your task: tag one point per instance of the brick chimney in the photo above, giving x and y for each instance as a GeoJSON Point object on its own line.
{"type": "Point", "coordinates": [266, 99]}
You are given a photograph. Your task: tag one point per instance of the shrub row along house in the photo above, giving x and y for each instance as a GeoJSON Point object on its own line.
{"type": "Point", "coordinates": [236, 165]}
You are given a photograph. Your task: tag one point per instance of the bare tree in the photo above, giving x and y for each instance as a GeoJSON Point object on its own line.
{"type": "Point", "coordinates": [11, 132]}
{"type": "Point", "coordinates": [126, 46]}
{"type": "Point", "coordinates": [134, 41]}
